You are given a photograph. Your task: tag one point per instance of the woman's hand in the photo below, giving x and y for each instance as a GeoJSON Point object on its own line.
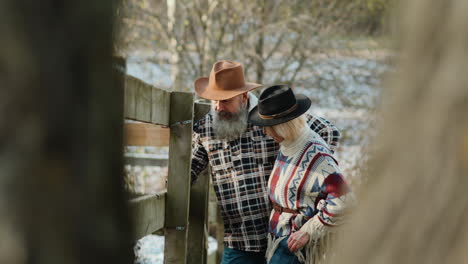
{"type": "Point", "coordinates": [297, 240]}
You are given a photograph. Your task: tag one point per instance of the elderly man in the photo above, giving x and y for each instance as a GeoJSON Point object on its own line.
{"type": "Point", "coordinates": [241, 158]}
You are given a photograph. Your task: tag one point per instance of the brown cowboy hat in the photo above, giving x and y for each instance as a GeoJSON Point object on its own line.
{"type": "Point", "coordinates": [226, 81]}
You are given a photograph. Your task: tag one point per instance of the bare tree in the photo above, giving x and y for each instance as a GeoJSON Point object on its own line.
{"type": "Point", "coordinates": [274, 36]}
{"type": "Point", "coordinates": [175, 28]}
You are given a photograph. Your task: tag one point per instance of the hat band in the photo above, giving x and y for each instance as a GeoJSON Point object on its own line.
{"type": "Point", "coordinates": [279, 115]}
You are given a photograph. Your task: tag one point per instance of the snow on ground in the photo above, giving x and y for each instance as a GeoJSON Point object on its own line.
{"type": "Point", "coordinates": [147, 179]}
{"type": "Point", "coordinates": [150, 249]}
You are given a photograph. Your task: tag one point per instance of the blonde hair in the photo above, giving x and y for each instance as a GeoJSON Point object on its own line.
{"type": "Point", "coordinates": [291, 129]}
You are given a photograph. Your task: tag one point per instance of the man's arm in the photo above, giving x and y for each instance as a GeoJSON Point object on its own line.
{"type": "Point", "coordinates": [199, 156]}
{"type": "Point", "coordinates": [325, 129]}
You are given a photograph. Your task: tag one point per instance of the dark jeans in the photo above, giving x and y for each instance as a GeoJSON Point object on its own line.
{"type": "Point", "coordinates": [282, 254]}
{"type": "Point", "coordinates": [234, 256]}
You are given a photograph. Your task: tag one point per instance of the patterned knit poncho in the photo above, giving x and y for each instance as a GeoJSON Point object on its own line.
{"type": "Point", "coordinates": [307, 178]}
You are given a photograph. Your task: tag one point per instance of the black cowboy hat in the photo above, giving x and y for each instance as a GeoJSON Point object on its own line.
{"type": "Point", "coordinates": [278, 104]}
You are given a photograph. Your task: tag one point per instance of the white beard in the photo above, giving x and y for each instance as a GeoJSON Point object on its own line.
{"type": "Point", "coordinates": [231, 128]}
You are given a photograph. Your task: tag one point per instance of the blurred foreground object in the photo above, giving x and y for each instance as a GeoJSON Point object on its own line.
{"type": "Point", "coordinates": [61, 196]}
{"type": "Point", "coordinates": [415, 206]}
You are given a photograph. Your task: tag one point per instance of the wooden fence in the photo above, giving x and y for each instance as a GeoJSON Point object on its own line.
{"type": "Point", "coordinates": [166, 119]}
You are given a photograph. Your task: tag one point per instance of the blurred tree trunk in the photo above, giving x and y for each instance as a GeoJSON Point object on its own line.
{"type": "Point", "coordinates": [61, 194]}
{"type": "Point", "coordinates": [266, 36]}
{"type": "Point", "coordinates": [175, 27]}
{"type": "Point", "coordinates": [208, 56]}
{"type": "Point", "coordinates": [260, 68]}
{"type": "Point", "coordinates": [415, 207]}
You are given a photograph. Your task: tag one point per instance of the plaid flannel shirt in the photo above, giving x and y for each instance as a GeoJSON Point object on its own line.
{"type": "Point", "coordinates": [240, 170]}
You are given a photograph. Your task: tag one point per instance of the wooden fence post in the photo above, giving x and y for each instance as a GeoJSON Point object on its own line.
{"type": "Point", "coordinates": [198, 219]}
{"type": "Point", "coordinates": [178, 186]}
{"type": "Point", "coordinates": [219, 232]}
{"type": "Point", "coordinates": [197, 238]}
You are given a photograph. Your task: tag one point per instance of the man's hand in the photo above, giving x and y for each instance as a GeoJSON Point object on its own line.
{"type": "Point", "coordinates": [297, 240]}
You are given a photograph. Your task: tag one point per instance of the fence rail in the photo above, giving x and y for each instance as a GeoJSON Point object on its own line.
{"type": "Point", "coordinates": [167, 119]}
{"type": "Point", "coordinates": [140, 159]}
{"type": "Point", "coordinates": [146, 212]}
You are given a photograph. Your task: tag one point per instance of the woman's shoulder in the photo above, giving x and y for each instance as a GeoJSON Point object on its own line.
{"type": "Point", "coordinates": [317, 144]}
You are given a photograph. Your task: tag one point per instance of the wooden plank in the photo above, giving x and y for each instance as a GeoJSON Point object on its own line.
{"type": "Point", "coordinates": [161, 103]}
{"type": "Point", "coordinates": [129, 98]}
{"type": "Point", "coordinates": [178, 186]}
{"type": "Point", "coordinates": [146, 103]}
{"type": "Point", "coordinates": [139, 159]}
{"type": "Point", "coordinates": [147, 213]}
{"type": "Point", "coordinates": [143, 102]}
{"type": "Point", "coordinates": [200, 110]}
{"type": "Point", "coordinates": [215, 222]}
{"type": "Point", "coordinates": [198, 218]}
{"type": "Point", "coordinates": [142, 134]}
{"type": "Point", "coordinates": [219, 235]}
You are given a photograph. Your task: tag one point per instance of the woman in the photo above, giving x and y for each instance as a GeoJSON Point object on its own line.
{"type": "Point", "coordinates": [307, 191]}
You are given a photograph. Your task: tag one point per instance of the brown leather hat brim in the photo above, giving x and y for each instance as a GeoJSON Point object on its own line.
{"type": "Point", "coordinates": [202, 90]}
